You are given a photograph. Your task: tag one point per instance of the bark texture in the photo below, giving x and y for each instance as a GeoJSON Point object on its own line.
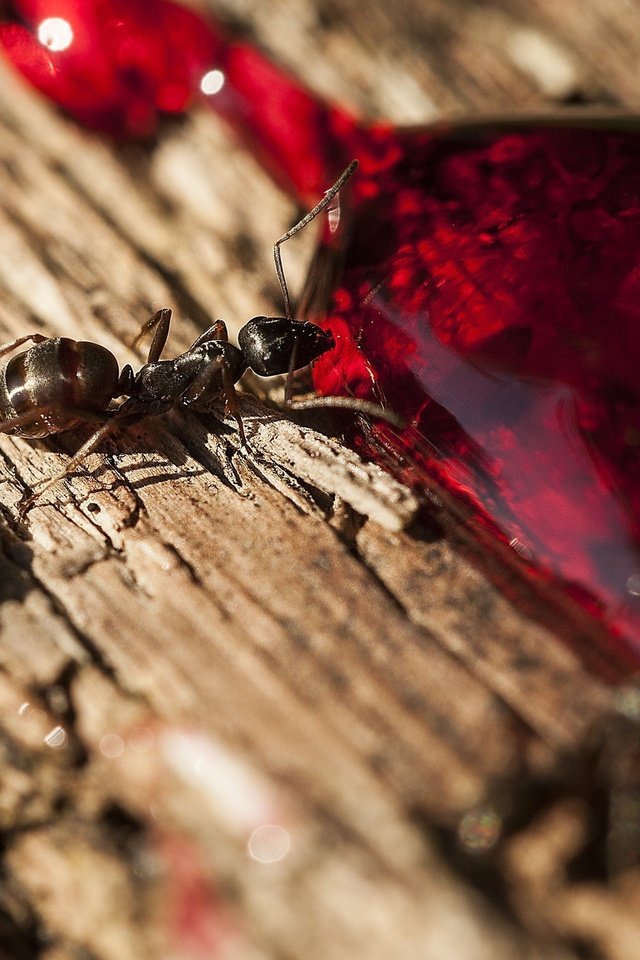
{"type": "Point", "coordinates": [261, 703]}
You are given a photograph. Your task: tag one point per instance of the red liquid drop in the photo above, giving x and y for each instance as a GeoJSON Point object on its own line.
{"type": "Point", "coordinates": [490, 280]}
{"type": "Point", "coordinates": [115, 65]}
{"type": "Point", "coordinates": [484, 282]}
{"type": "Point", "coordinates": [120, 66]}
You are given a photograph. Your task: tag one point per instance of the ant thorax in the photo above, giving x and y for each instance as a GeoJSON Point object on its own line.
{"type": "Point", "coordinates": [165, 381]}
{"type": "Point", "coordinates": [59, 383]}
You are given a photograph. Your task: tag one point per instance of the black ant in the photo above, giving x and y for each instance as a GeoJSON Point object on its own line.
{"type": "Point", "coordinates": [60, 383]}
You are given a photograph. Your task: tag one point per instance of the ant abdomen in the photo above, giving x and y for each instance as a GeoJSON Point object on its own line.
{"type": "Point", "coordinates": [60, 377]}
{"type": "Point", "coordinates": [59, 383]}
{"type": "Point", "coordinates": [269, 343]}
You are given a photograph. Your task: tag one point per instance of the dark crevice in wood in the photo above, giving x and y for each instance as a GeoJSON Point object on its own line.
{"type": "Point", "coordinates": [586, 776]}
{"type": "Point", "coordinates": [13, 472]}
{"type": "Point", "coordinates": [125, 831]}
{"type": "Point", "coordinates": [83, 639]}
{"type": "Point", "coordinates": [225, 473]}
{"type": "Point", "coordinates": [19, 937]}
{"type": "Point", "coordinates": [339, 694]}
{"type": "Point", "coordinates": [15, 583]}
{"type": "Point", "coordinates": [58, 695]}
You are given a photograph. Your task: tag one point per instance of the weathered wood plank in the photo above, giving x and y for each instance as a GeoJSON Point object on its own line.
{"type": "Point", "coordinates": [200, 641]}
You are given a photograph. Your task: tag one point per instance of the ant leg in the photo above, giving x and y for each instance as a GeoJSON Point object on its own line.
{"type": "Point", "coordinates": [288, 383]}
{"type": "Point", "coordinates": [207, 386]}
{"type": "Point", "coordinates": [34, 337]}
{"type": "Point", "coordinates": [161, 320]}
{"type": "Point", "coordinates": [122, 417]}
{"type": "Point", "coordinates": [353, 404]}
{"type": "Point", "coordinates": [217, 331]}
{"type": "Point", "coordinates": [88, 447]}
{"type": "Point", "coordinates": [319, 207]}
{"type": "Point", "coordinates": [231, 400]}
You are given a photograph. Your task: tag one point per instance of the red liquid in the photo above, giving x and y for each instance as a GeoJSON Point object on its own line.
{"type": "Point", "coordinates": [491, 280]}
{"type": "Point", "coordinates": [484, 283]}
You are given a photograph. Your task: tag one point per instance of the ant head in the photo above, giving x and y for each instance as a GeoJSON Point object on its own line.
{"type": "Point", "coordinates": [268, 344]}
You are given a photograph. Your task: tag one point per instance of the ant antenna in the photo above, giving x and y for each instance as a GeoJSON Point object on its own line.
{"type": "Point", "coordinates": [353, 404]}
{"type": "Point", "coordinates": [319, 207]}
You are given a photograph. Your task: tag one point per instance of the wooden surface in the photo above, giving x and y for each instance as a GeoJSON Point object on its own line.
{"type": "Point", "coordinates": [261, 704]}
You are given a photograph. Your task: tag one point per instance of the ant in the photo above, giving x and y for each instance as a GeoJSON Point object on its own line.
{"type": "Point", "coordinates": [60, 383]}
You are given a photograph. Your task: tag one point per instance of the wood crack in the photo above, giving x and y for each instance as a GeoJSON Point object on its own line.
{"type": "Point", "coordinates": [239, 639]}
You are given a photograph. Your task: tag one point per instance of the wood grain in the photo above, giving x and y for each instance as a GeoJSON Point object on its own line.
{"type": "Point", "coordinates": [199, 640]}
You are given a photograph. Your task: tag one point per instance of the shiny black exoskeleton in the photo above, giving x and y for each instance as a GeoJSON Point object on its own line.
{"type": "Point", "coordinates": [59, 383]}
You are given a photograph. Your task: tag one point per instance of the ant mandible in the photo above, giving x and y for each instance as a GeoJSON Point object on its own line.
{"type": "Point", "coordinates": [60, 383]}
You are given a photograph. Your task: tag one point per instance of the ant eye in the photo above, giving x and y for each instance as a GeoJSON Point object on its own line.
{"type": "Point", "coordinates": [268, 344]}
